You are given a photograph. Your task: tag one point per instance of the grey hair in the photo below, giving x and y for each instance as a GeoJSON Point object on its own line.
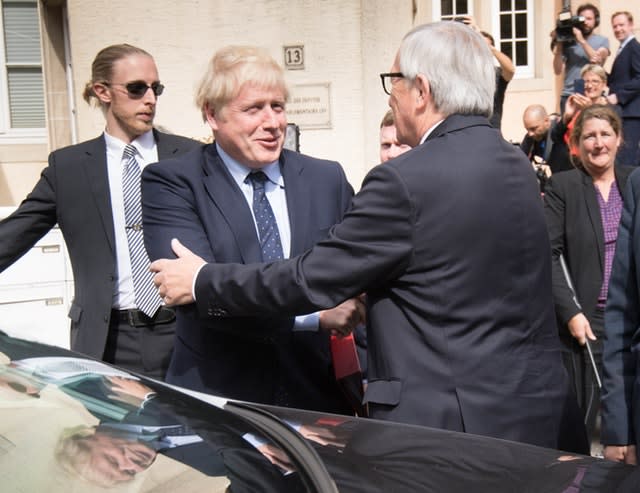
{"type": "Point", "coordinates": [457, 63]}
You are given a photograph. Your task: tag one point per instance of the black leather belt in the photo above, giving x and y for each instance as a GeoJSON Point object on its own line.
{"type": "Point", "coordinates": [136, 318]}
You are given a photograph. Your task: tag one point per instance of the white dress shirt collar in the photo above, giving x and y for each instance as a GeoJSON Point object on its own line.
{"type": "Point", "coordinates": [145, 144]}
{"type": "Point", "coordinates": [431, 129]}
{"type": "Point", "coordinates": [239, 171]}
{"type": "Point", "coordinates": [624, 43]}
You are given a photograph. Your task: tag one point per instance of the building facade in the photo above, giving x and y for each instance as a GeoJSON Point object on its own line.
{"type": "Point", "coordinates": [333, 51]}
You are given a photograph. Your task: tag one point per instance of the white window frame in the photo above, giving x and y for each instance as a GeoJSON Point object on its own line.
{"type": "Point", "coordinates": [522, 71]}
{"type": "Point", "coordinates": [9, 135]}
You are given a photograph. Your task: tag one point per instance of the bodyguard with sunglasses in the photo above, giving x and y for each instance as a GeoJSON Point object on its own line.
{"type": "Point", "coordinates": [85, 189]}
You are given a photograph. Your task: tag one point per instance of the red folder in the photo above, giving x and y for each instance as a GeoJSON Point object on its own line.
{"type": "Point", "coordinates": [348, 372]}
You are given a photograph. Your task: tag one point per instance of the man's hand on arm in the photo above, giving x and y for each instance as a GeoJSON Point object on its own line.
{"type": "Point", "coordinates": [175, 278]}
{"type": "Point", "coordinates": [342, 319]}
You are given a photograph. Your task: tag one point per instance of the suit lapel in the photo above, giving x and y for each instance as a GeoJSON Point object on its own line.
{"type": "Point", "coordinates": [297, 191]}
{"type": "Point", "coordinates": [230, 201]}
{"type": "Point", "coordinates": [593, 210]}
{"type": "Point", "coordinates": [94, 164]}
{"type": "Point", "coordinates": [167, 147]}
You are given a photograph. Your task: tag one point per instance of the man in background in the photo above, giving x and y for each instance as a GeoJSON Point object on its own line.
{"type": "Point", "coordinates": [540, 144]}
{"type": "Point", "coordinates": [85, 189]}
{"type": "Point", "coordinates": [624, 86]}
{"type": "Point", "coordinates": [389, 145]}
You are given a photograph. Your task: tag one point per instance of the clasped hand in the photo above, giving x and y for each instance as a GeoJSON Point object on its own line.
{"type": "Point", "coordinates": [174, 278]}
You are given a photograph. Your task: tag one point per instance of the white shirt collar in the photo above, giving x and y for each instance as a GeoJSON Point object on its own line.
{"type": "Point", "coordinates": [431, 129]}
{"type": "Point", "coordinates": [239, 171]}
{"type": "Point", "coordinates": [625, 42]}
{"type": "Point", "coordinates": [145, 145]}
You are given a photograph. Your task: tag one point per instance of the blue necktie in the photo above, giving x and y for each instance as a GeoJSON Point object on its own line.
{"type": "Point", "coordinates": [265, 220]}
{"type": "Point", "coordinates": [147, 298]}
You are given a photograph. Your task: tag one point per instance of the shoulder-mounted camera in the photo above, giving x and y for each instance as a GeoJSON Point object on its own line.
{"type": "Point", "coordinates": [565, 24]}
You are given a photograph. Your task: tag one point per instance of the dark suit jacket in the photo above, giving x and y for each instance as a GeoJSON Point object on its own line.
{"type": "Point", "coordinates": [73, 191]}
{"type": "Point", "coordinates": [624, 79]}
{"type": "Point", "coordinates": [449, 242]}
{"type": "Point", "coordinates": [195, 199]}
{"type": "Point", "coordinates": [556, 152]}
{"type": "Point", "coordinates": [620, 397]}
{"type": "Point", "coordinates": [575, 231]}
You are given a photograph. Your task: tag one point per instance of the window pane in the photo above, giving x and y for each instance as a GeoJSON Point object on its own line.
{"type": "Point", "coordinates": [462, 7]}
{"type": "Point", "coordinates": [26, 97]}
{"type": "Point", "coordinates": [521, 53]}
{"type": "Point", "coordinates": [506, 29]}
{"type": "Point", "coordinates": [507, 49]}
{"type": "Point", "coordinates": [521, 4]}
{"type": "Point", "coordinates": [446, 7]}
{"type": "Point", "coordinates": [505, 5]}
{"type": "Point", "coordinates": [21, 33]}
{"type": "Point", "coordinates": [521, 25]}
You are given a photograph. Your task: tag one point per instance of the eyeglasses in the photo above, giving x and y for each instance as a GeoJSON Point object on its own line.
{"type": "Point", "coordinates": [137, 89]}
{"type": "Point", "coordinates": [386, 86]}
{"type": "Point", "coordinates": [593, 82]}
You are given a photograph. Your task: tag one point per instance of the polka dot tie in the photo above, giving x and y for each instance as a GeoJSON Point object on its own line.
{"type": "Point", "coordinates": [270, 243]}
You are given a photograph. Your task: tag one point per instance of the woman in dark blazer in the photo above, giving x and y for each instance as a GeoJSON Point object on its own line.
{"type": "Point", "coordinates": [583, 208]}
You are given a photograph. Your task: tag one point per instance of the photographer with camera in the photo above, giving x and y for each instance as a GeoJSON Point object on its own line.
{"type": "Point", "coordinates": [545, 154]}
{"type": "Point", "coordinates": [574, 45]}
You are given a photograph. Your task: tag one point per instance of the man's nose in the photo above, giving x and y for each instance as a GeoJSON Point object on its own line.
{"type": "Point", "coordinates": [270, 118]}
{"type": "Point", "coordinates": [150, 96]}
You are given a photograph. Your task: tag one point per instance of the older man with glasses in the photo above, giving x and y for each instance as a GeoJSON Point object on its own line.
{"type": "Point", "coordinates": [92, 191]}
{"type": "Point", "coordinates": [449, 242]}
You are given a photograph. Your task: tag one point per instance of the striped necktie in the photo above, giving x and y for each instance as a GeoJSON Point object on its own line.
{"type": "Point", "coordinates": [270, 243]}
{"type": "Point", "coordinates": [147, 298]}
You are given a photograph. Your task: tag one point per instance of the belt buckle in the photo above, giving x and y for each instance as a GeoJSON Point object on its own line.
{"type": "Point", "coordinates": [132, 318]}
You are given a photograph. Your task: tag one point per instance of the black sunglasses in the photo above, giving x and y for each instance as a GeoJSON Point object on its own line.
{"type": "Point", "coordinates": [138, 88]}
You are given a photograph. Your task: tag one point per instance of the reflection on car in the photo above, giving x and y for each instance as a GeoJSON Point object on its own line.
{"type": "Point", "coordinates": [70, 423]}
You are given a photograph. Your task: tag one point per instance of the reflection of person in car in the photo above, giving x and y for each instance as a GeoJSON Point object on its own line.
{"type": "Point", "coordinates": [18, 384]}
{"type": "Point", "coordinates": [102, 458]}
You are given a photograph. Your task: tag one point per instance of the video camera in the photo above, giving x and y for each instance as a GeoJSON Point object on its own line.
{"type": "Point", "coordinates": [565, 24]}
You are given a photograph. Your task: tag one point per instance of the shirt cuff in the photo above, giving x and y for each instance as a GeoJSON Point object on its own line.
{"type": "Point", "coordinates": [307, 323]}
{"type": "Point", "coordinates": [195, 278]}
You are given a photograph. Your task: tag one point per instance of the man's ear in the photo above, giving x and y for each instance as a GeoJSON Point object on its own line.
{"type": "Point", "coordinates": [102, 92]}
{"type": "Point", "coordinates": [423, 90]}
{"type": "Point", "coordinates": [211, 116]}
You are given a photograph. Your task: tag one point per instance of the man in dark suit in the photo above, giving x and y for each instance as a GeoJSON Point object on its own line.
{"type": "Point", "coordinates": [449, 242]}
{"type": "Point", "coordinates": [81, 190]}
{"type": "Point", "coordinates": [207, 199]}
{"type": "Point", "coordinates": [543, 144]}
{"type": "Point", "coordinates": [624, 86]}
{"type": "Point", "coordinates": [620, 399]}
